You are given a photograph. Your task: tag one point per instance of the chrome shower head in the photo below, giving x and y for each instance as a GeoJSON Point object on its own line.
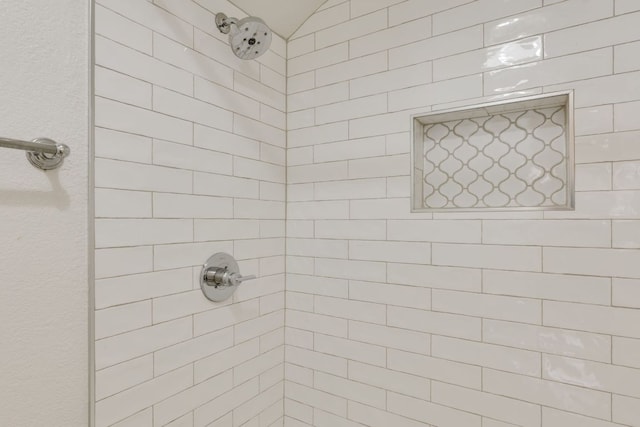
{"type": "Point", "coordinates": [249, 37]}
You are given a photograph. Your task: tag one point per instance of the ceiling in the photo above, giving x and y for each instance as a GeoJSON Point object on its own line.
{"type": "Point", "coordinates": [284, 17]}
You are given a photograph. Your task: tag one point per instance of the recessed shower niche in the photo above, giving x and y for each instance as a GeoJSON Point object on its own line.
{"type": "Point", "coordinates": [507, 155]}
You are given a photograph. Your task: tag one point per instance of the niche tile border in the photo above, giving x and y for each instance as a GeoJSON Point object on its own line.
{"type": "Point", "coordinates": [501, 156]}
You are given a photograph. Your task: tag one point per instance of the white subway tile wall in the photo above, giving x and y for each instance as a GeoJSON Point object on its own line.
{"type": "Point", "coordinates": [523, 319]}
{"type": "Point", "coordinates": [190, 160]}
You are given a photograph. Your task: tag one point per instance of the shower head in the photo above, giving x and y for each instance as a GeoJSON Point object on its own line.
{"type": "Point", "coordinates": [249, 37]}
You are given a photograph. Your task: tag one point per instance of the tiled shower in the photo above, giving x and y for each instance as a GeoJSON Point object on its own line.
{"type": "Point", "coordinates": [298, 163]}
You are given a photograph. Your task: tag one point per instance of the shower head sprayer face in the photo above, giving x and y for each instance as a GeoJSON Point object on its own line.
{"type": "Point", "coordinates": [249, 37]}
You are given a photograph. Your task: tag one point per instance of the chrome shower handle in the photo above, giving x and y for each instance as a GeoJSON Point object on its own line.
{"type": "Point", "coordinates": [236, 278]}
{"type": "Point", "coordinates": [220, 277]}
{"type": "Point", "coordinates": [249, 277]}
{"type": "Point", "coordinates": [217, 276]}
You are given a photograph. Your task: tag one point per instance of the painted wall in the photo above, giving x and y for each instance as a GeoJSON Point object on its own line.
{"type": "Point", "coordinates": [492, 320]}
{"type": "Point", "coordinates": [190, 161]}
{"type": "Point", "coordinates": [43, 215]}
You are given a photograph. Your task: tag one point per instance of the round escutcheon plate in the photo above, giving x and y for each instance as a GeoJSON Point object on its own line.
{"type": "Point", "coordinates": [211, 291]}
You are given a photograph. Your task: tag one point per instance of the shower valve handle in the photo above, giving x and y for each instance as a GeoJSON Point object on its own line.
{"type": "Point", "coordinates": [241, 279]}
{"type": "Point", "coordinates": [222, 277]}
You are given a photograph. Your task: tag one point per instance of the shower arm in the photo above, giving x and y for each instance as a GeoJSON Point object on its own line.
{"type": "Point", "coordinates": [223, 22]}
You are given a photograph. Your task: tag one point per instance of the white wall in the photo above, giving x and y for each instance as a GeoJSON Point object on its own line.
{"type": "Point", "coordinates": [43, 215]}
{"type": "Point", "coordinates": [474, 319]}
{"type": "Point", "coordinates": [190, 160]}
